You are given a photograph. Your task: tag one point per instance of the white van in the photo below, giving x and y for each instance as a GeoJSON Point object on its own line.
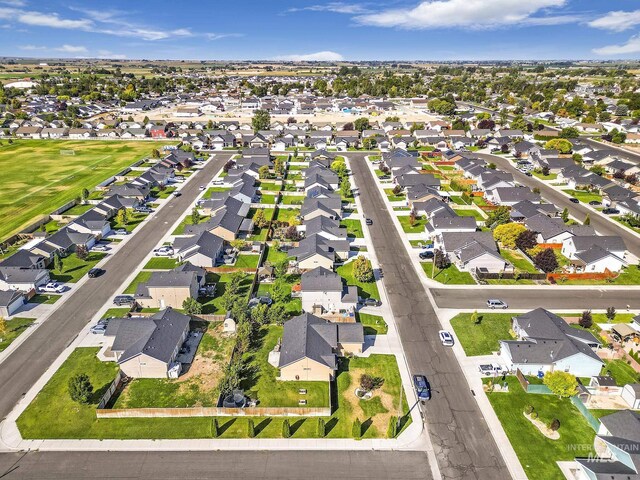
{"type": "Point", "coordinates": [446, 338]}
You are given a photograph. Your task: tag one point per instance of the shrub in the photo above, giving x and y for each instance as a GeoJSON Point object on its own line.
{"type": "Point", "coordinates": [546, 260]}
{"type": "Point", "coordinates": [286, 428]}
{"type": "Point", "coordinates": [585, 319]}
{"type": "Point", "coordinates": [356, 430]}
{"type": "Point", "coordinates": [321, 429]}
{"type": "Point", "coordinates": [561, 383]}
{"type": "Point", "coordinates": [392, 430]}
{"type": "Point", "coordinates": [369, 383]}
{"type": "Point", "coordinates": [554, 424]}
{"type": "Point", "coordinates": [251, 429]}
{"type": "Point", "coordinates": [534, 415]}
{"type": "Point", "coordinates": [215, 429]}
{"type": "Point", "coordinates": [80, 388]}
{"type": "Point", "coordinates": [529, 409]}
{"type": "Point", "coordinates": [362, 270]}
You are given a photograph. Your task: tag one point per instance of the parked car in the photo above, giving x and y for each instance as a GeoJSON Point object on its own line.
{"type": "Point", "coordinates": [52, 287]}
{"type": "Point", "coordinates": [143, 210]}
{"type": "Point", "coordinates": [202, 187]}
{"type": "Point", "coordinates": [445, 338]}
{"type": "Point", "coordinates": [217, 182]}
{"type": "Point", "coordinates": [368, 221]}
{"type": "Point", "coordinates": [177, 194]}
{"type": "Point", "coordinates": [495, 303]}
{"type": "Point", "coordinates": [426, 254]}
{"type": "Point", "coordinates": [595, 203]}
{"type": "Point", "coordinates": [574, 200]}
{"type": "Point", "coordinates": [370, 302]}
{"type": "Point", "coordinates": [165, 251]}
{"type": "Point", "coordinates": [528, 174]}
{"type": "Point", "coordinates": [490, 369]}
{"type": "Point", "coordinates": [254, 302]}
{"type": "Point", "coordinates": [120, 300]}
{"type": "Point", "coordinates": [121, 231]}
{"type": "Point", "coordinates": [98, 329]}
{"type": "Point", "coordinates": [100, 248]}
{"type": "Point", "coordinates": [423, 389]}
{"type": "Point", "coordinates": [95, 272]}
{"type": "Point", "coordinates": [610, 211]}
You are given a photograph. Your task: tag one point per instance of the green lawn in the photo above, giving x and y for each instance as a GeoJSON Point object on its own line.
{"type": "Point", "coordinates": [621, 372]}
{"type": "Point", "coordinates": [270, 186]}
{"type": "Point", "coordinates": [53, 178]}
{"type": "Point", "coordinates": [292, 199]}
{"type": "Point", "coordinates": [45, 298]}
{"type": "Point", "coordinates": [162, 193]}
{"type": "Point", "coordinates": [583, 196]}
{"type": "Point", "coordinates": [187, 221]}
{"type": "Point", "coordinates": [516, 259]}
{"type": "Point", "coordinates": [354, 227]}
{"type": "Point", "coordinates": [365, 290]}
{"type": "Point", "coordinates": [73, 269]}
{"type": "Point", "coordinates": [538, 454]}
{"type": "Point", "coordinates": [213, 305]}
{"type": "Point", "coordinates": [134, 219]}
{"type": "Point", "coordinates": [450, 275]}
{"type": "Point", "coordinates": [161, 263]}
{"type": "Point", "coordinates": [212, 190]}
{"type": "Point", "coordinates": [470, 213]}
{"type": "Point", "coordinates": [551, 176]}
{"type": "Point", "coordinates": [116, 312]}
{"type": "Point", "coordinates": [393, 197]}
{"type": "Point", "coordinates": [247, 261]}
{"type": "Point", "coordinates": [373, 324]}
{"type": "Point", "coordinates": [141, 277]}
{"type": "Point", "coordinates": [15, 327]}
{"type": "Point", "coordinates": [286, 215]}
{"type": "Point", "coordinates": [78, 209]}
{"type": "Point", "coordinates": [417, 227]}
{"type": "Point", "coordinates": [482, 338]}
{"type": "Point", "coordinates": [275, 256]}
{"type": "Point", "coordinates": [268, 199]}
{"type": "Point", "coordinates": [622, 221]}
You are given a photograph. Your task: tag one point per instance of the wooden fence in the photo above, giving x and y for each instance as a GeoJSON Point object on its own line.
{"type": "Point", "coordinates": [510, 275]}
{"type": "Point", "coordinates": [560, 277]}
{"type": "Point", "coordinates": [110, 391]}
{"type": "Point", "coordinates": [214, 412]}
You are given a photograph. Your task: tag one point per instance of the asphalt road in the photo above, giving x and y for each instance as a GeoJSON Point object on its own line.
{"type": "Point", "coordinates": [288, 465]}
{"type": "Point", "coordinates": [560, 200]}
{"type": "Point", "coordinates": [20, 370]}
{"type": "Point", "coordinates": [461, 438]}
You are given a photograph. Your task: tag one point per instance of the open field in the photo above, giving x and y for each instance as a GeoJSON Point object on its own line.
{"type": "Point", "coordinates": [38, 179]}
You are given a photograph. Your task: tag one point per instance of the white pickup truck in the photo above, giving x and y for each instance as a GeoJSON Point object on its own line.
{"type": "Point", "coordinates": [491, 369]}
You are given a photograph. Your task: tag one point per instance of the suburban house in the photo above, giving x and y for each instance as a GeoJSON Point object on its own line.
{"type": "Point", "coordinates": [323, 291]}
{"type": "Point", "coordinates": [328, 207]}
{"type": "Point", "coordinates": [509, 196]}
{"type": "Point", "coordinates": [595, 253]}
{"type": "Point", "coordinates": [204, 249]}
{"type": "Point", "coordinates": [554, 230]}
{"type": "Point", "coordinates": [446, 223]}
{"type": "Point", "coordinates": [10, 302]}
{"type": "Point", "coordinates": [545, 342]}
{"type": "Point", "coordinates": [24, 259]}
{"type": "Point", "coordinates": [23, 279]}
{"type": "Point", "coordinates": [471, 250]}
{"type": "Point", "coordinates": [226, 224]}
{"type": "Point", "coordinates": [147, 347]}
{"type": "Point", "coordinates": [526, 209]}
{"type": "Point", "coordinates": [317, 251]}
{"type": "Point", "coordinates": [325, 227]}
{"type": "Point", "coordinates": [616, 442]}
{"type": "Point", "coordinates": [169, 289]}
{"type": "Point", "coordinates": [64, 242]}
{"type": "Point", "coordinates": [311, 346]}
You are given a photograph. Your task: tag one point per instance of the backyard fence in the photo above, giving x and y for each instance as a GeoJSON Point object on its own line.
{"type": "Point", "coordinates": [510, 276]}
{"type": "Point", "coordinates": [213, 412]}
{"type": "Point", "coordinates": [584, 411]}
{"type": "Point", "coordinates": [528, 387]}
{"type": "Point", "coordinates": [104, 400]}
{"type": "Point", "coordinates": [560, 277]}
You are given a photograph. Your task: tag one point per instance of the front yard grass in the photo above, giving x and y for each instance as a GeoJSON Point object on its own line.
{"type": "Point", "coordinates": [135, 218]}
{"type": "Point", "coordinates": [141, 277]}
{"type": "Point", "coordinates": [417, 227]}
{"type": "Point", "coordinates": [45, 298]}
{"type": "Point", "coordinates": [484, 337]}
{"type": "Point", "coordinates": [551, 176]}
{"type": "Point", "coordinates": [584, 197]}
{"type": "Point", "coordinates": [470, 213]}
{"type": "Point", "coordinates": [373, 324]}
{"type": "Point", "coordinates": [161, 263]}
{"type": "Point", "coordinates": [393, 197]}
{"type": "Point", "coordinates": [73, 269]}
{"type": "Point", "coordinates": [449, 276]}
{"type": "Point", "coordinates": [365, 290]}
{"type": "Point", "coordinates": [516, 259]}
{"type": "Point", "coordinates": [15, 327]}
{"type": "Point", "coordinates": [187, 221]}
{"type": "Point", "coordinates": [538, 454]}
{"type": "Point", "coordinates": [292, 199]}
{"type": "Point", "coordinates": [354, 228]}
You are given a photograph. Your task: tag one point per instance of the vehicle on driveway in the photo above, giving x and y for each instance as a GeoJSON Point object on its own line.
{"type": "Point", "coordinates": [423, 389]}
{"type": "Point", "coordinates": [370, 302]}
{"type": "Point", "coordinates": [100, 248]}
{"type": "Point", "coordinates": [98, 329]}
{"type": "Point", "coordinates": [165, 251]}
{"type": "Point", "coordinates": [595, 203]}
{"type": "Point", "coordinates": [143, 210]}
{"type": "Point", "coordinates": [95, 272]}
{"type": "Point", "coordinates": [426, 254]}
{"type": "Point", "coordinates": [445, 338]}
{"type": "Point", "coordinates": [368, 221]}
{"type": "Point", "coordinates": [120, 300]}
{"type": "Point", "coordinates": [574, 200]}
{"type": "Point", "coordinates": [610, 211]}
{"type": "Point", "coordinates": [490, 369]}
{"type": "Point", "coordinates": [493, 303]}
{"type": "Point", "coordinates": [52, 287]}
{"type": "Point", "coordinates": [121, 231]}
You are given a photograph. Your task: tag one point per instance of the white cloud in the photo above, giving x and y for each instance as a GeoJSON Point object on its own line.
{"type": "Point", "coordinates": [474, 14]}
{"type": "Point", "coordinates": [631, 46]}
{"type": "Point", "coordinates": [617, 21]}
{"type": "Point", "coordinates": [52, 20]}
{"type": "Point", "coordinates": [335, 7]}
{"type": "Point", "coordinates": [14, 3]}
{"type": "Point", "coordinates": [324, 56]}
{"type": "Point", "coordinates": [71, 49]}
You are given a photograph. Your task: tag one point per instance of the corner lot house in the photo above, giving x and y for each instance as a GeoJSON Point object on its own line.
{"type": "Point", "coordinates": [147, 347]}
{"type": "Point", "coordinates": [311, 346]}
{"type": "Point", "coordinates": [547, 343]}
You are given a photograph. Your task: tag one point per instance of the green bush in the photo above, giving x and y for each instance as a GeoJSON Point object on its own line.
{"type": "Point", "coordinates": [392, 430]}
{"type": "Point", "coordinates": [251, 429]}
{"type": "Point", "coordinates": [321, 429]}
{"type": "Point", "coordinates": [356, 430]}
{"type": "Point", "coordinates": [286, 429]}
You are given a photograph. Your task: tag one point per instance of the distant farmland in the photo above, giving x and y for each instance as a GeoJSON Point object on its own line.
{"type": "Point", "coordinates": [38, 176]}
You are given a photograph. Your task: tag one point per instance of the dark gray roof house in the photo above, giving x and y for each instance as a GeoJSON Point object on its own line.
{"type": "Point", "coordinates": [203, 249]}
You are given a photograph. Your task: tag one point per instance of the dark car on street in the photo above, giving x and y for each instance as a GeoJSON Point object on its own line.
{"type": "Point", "coordinates": [574, 200]}
{"type": "Point", "coordinates": [426, 255]}
{"type": "Point", "coordinates": [610, 211]}
{"type": "Point", "coordinates": [423, 389]}
{"type": "Point", "coordinates": [95, 272]}
{"type": "Point", "coordinates": [369, 221]}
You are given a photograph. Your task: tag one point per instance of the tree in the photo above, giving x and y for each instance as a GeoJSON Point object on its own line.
{"type": "Point", "coordinates": [362, 270]}
{"type": "Point", "coordinates": [278, 167]}
{"type": "Point", "coordinates": [611, 314]}
{"type": "Point", "coordinates": [259, 220]}
{"type": "Point", "coordinates": [122, 217]}
{"type": "Point", "coordinates": [215, 429]}
{"type": "Point", "coordinates": [291, 233]}
{"type": "Point", "coordinates": [281, 290]}
{"type": "Point", "coordinates": [286, 428]}
{"type": "Point", "coordinates": [80, 388]}
{"type": "Point", "coordinates": [235, 282]}
{"type": "Point", "coordinates": [486, 123]}
{"type": "Point", "coordinates": [508, 233]}
{"type": "Point", "coordinates": [546, 260]}
{"type": "Point", "coordinates": [526, 240]}
{"type": "Point", "coordinates": [195, 216]}
{"type": "Point", "coordinates": [3, 328]}
{"type": "Point", "coordinates": [321, 429]}
{"type": "Point", "coordinates": [554, 424]}
{"type": "Point", "coordinates": [263, 172]}
{"type": "Point", "coordinates": [84, 195]}
{"type": "Point", "coordinates": [362, 124]}
{"type": "Point", "coordinates": [519, 123]}
{"type": "Point", "coordinates": [561, 383]}
{"type": "Point", "coordinates": [251, 428]}
{"type": "Point", "coordinates": [339, 167]}
{"type": "Point", "coordinates": [565, 215]}
{"type": "Point", "coordinates": [345, 188]}
{"type": "Point", "coordinates": [499, 216]}
{"type": "Point", "coordinates": [561, 144]}
{"type": "Point", "coordinates": [597, 169]}
{"type": "Point", "coordinates": [546, 170]}
{"type": "Point", "coordinates": [587, 220]}
{"type": "Point", "coordinates": [356, 429]}
{"type": "Point", "coordinates": [261, 120]}
{"type": "Point", "coordinates": [81, 252]}
{"type": "Point", "coordinates": [155, 153]}
{"type": "Point", "coordinates": [57, 262]}
{"type": "Point", "coordinates": [277, 314]}
{"type": "Point", "coordinates": [259, 314]}
{"type": "Point", "coordinates": [569, 132]}
{"type": "Point", "coordinates": [586, 320]}
{"type": "Point", "coordinates": [577, 157]}
{"type": "Point", "coordinates": [191, 306]}
{"type": "Point", "coordinates": [440, 260]}
{"type": "Point", "coordinates": [492, 166]}
{"type": "Point", "coordinates": [369, 383]}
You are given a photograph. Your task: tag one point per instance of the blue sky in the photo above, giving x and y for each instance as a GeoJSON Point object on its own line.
{"type": "Point", "coordinates": [313, 29]}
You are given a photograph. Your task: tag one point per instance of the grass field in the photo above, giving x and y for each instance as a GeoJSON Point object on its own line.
{"type": "Point", "coordinates": [38, 179]}
{"type": "Point", "coordinates": [484, 337]}
{"type": "Point", "coordinates": [15, 327]}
